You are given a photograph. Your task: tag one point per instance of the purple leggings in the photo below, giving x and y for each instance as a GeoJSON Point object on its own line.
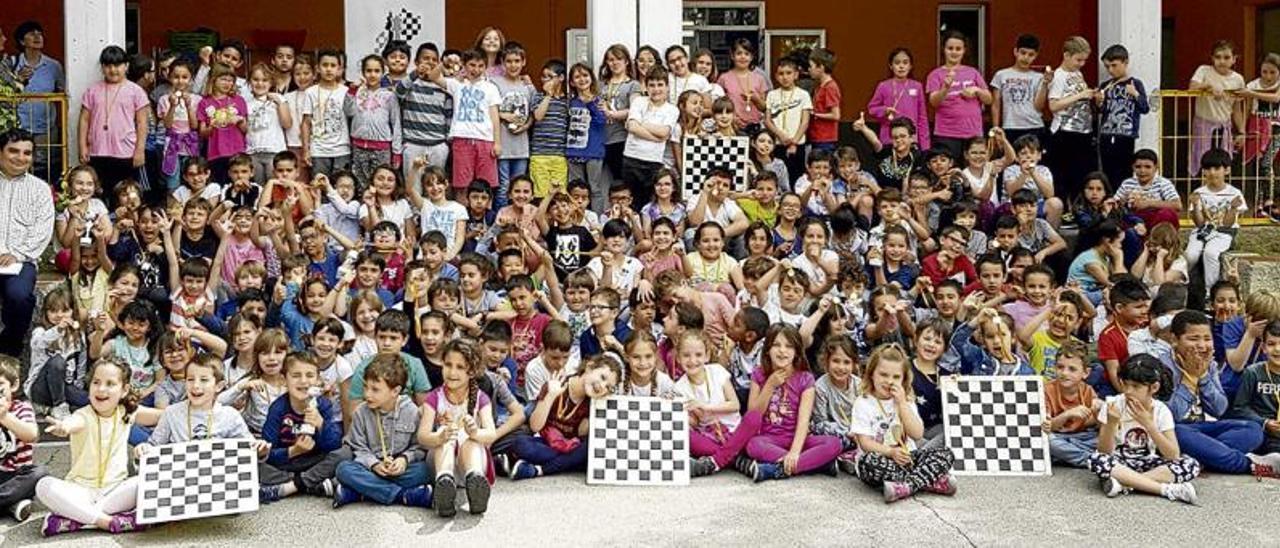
{"type": "Point", "coordinates": [703, 444]}
{"type": "Point", "coordinates": [816, 453]}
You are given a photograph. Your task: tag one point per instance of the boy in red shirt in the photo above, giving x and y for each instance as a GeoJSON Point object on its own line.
{"type": "Point", "coordinates": [824, 123]}
{"type": "Point", "coordinates": [1129, 304]}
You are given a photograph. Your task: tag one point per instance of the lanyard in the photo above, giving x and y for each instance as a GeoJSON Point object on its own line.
{"type": "Point", "coordinates": [208, 425]}
{"type": "Point", "coordinates": [105, 456]}
{"type": "Point", "coordinates": [382, 440]}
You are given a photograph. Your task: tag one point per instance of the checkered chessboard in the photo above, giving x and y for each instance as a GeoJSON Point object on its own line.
{"type": "Point", "coordinates": [638, 441]}
{"type": "Point", "coordinates": [700, 154]}
{"type": "Point", "coordinates": [198, 479]}
{"type": "Point", "coordinates": [993, 425]}
{"type": "Point", "coordinates": [403, 25]}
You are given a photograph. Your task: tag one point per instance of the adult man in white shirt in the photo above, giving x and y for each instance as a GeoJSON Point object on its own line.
{"type": "Point", "coordinates": [26, 226]}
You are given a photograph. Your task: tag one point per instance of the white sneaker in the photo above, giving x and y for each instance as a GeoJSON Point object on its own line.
{"type": "Point", "coordinates": [21, 510]}
{"type": "Point", "coordinates": [1183, 492]}
{"type": "Point", "coordinates": [61, 411]}
{"type": "Point", "coordinates": [1113, 488]}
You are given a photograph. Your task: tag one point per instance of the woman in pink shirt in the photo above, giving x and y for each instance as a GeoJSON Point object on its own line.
{"type": "Point", "coordinates": [745, 87]}
{"type": "Point", "coordinates": [113, 123]}
{"type": "Point", "coordinates": [900, 97]}
{"type": "Point", "coordinates": [957, 93]}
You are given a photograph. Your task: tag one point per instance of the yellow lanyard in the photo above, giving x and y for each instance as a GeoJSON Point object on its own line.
{"type": "Point", "coordinates": [105, 456]}
{"type": "Point", "coordinates": [208, 425]}
{"type": "Point", "coordinates": [1274, 393]}
{"type": "Point", "coordinates": [382, 440]}
{"type": "Point", "coordinates": [895, 427]}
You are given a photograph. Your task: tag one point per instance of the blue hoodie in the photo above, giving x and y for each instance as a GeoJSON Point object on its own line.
{"type": "Point", "coordinates": [281, 426]}
{"type": "Point", "coordinates": [973, 359]}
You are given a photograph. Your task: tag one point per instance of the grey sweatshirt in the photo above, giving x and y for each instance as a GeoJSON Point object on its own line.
{"type": "Point", "coordinates": [179, 424]}
{"type": "Point", "coordinates": [399, 430]}
{"type": "Point", "coordinates": [832, 407]}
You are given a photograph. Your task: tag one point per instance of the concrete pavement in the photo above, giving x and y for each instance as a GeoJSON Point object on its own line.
{"type": "Point", "coordinates": [1066, 509]}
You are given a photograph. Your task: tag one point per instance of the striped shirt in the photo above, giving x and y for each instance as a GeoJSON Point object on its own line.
{"type": "Point", "coordinates": [17, 453]}
{"type": "Point", "coordinates": [26, 216]}
{"type": "Point", "coordinates": [1159, 189]}
{"type": "Point", "coordinates": [547, 138]}
{"type": "Point", "coordinates": [425, 111]}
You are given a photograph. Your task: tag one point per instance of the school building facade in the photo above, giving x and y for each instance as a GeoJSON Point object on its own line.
{"type": "Point", "coordinates": [1167, 38]}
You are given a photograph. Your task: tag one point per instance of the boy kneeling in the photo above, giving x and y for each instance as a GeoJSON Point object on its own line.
{"type": "Point", "coordinates": [305, 438]}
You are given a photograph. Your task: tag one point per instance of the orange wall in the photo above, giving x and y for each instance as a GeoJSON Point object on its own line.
{"type": "Point", "coordinates": [1197, 25]}
{"type": "Point", "coordinates": [322, 20]}
{"type": "Point", "coordinates": [538, 25]}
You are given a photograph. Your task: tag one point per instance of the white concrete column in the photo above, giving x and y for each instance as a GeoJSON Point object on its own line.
{"type": "Point", "coordinates": [661, 24]}
{"type": "Point", "coordinates": [90, 25]}
{"type": "Point", "coordinates": [369, 24]}
{"type": "Point", "coordinates": [611, 22]}
{"type": "Point", "coordinates": [1137, 25]}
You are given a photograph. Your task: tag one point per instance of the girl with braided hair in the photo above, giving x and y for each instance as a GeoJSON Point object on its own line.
{"type": "Point", "coordinates": [457, 427]}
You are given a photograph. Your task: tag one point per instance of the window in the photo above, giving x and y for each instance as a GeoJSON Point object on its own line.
{"type": "Point", "coordinates": [717, 25]}
{"type": "Point", "coordinates": [970, 21]}
{"type": "Point", "coordinates": [132, 28]}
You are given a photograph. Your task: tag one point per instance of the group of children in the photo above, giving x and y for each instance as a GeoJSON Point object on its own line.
{"type": "Point", "coordinates": [403, 287]}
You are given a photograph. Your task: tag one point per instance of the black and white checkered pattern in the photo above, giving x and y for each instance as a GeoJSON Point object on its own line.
{"type": "Point", "coordinates": [638, 441]}
{"type": "Point", "coordinates": [198, 479]}
{"type": "Point", "coordinates": [403, 25]}
{"type": "Point", "coordinates": [993, 425]}
{"type": "Point", "coordinates": [700, 154]}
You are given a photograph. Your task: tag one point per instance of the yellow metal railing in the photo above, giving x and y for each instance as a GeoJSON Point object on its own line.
{"type": "Point", "coordinates": [52, 144]}
{"type": "Point", "coordinates": [1175, 115]}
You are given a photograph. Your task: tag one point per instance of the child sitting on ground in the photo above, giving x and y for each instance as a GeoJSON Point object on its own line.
{"type": "Point", "coordinates": [304, 429]}
{"type": "Point", "coordinates": [1071, 408]}
{"type": "Point", "coordinates": [388, 465]}
{"type": "Point", "coordinates": [1137, 448]}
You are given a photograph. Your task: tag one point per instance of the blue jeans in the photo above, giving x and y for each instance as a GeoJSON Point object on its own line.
{"type": "Point", "coordinates": [1073, 448]}
{"type": "Point", "coordinates": [18, 295]}
{"type": "Point", "coordinates": [377, 488]}
{"type": "Point", "coordinates": [536, 451]}
{"type": "Point", "coordinates": [139, 434]}
{"type": "Point", "coordinates": [507, 169]}
{"type": "Point", "coordinates": [1220, 446]}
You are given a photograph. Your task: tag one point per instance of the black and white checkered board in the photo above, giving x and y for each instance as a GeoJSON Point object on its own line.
{"type": "Point", "coordinates": [993, 425]}
{"type": "Point", "coordinates": [198, 479]}
{"type": "Point", "coordinates": [638, 441]}
{"type": "Point", "coordinates": [700, 154]}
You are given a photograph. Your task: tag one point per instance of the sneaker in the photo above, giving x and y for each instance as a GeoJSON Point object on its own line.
{"type": "Point", "coordinates": [343, 495]}
{"type": "Point", "coordinates": [55, 524]}
{"type": "Point", "coordinates": [1112, 488]}
{"type": "Point", "coordinates": [702, 466]}
{"type": "Point", "coordinates": [830, 469]}
{"type": "Point", "coordinates": [848, 466]}
{"type": "Point", "coordinates": [895, 491]}
{"type": "Point", "coordinates": [125, 522]}
{"type": "Point", "coordinates": [323, 489]}
{"type": "Point", "coordinates": [268, 494]}
{"type": "Point", "coordinates": [1182, 492]}
{"type": "Point", "coordinates": [477, 493]}
{"type": "Point", "coordinates": [522, 470]}
{"type": "Point", "coordinates": [60, 412]}
{"type": "Point", "coordinates": [502, 465]}
{"type": "Point", "coordinates": [21, 510]}
{"type": "Point", "coordinates": [767, 471]}
{"type": "Point", "coordinates": [417, 497]}
{"type": "Point", "coordinates": [942, 486]}
{"type": "Point", "coordinates": [1265, 466]}
{"type": "Point", "coordinates": [40, 409]}
{"type": "Point", "coordinates": [446, 496]}
{"type": "Point", "coordinates": [745, 465]}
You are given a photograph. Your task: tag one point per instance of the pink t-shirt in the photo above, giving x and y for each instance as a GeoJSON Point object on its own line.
{"type": "Point", "coordinates": [957, 116]}
{"type": "Point", "coordinates": [783, 411]}
{"type": "Point", "coordinates": [717, 313]}
{"type": "Point", "coordinates": [113, 130]}
{"type": "Point", "coordinates": [237, 253]}
{"type": "Point", "coordinates": [228, 140]}
{"type": "Point", "coordinates": [526, 341]}
{"type": "Point", "coordinates": [734, 88]}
